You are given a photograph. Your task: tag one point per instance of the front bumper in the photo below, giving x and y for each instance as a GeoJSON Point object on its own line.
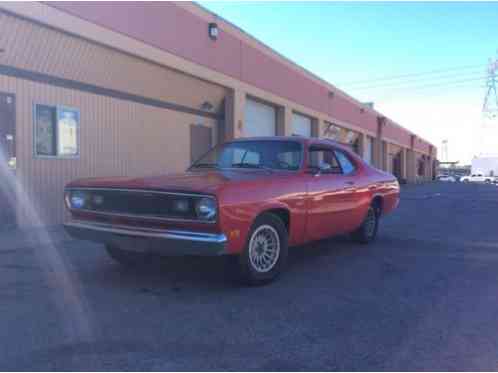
{"type": "Point", "coordinates": [164, 242]}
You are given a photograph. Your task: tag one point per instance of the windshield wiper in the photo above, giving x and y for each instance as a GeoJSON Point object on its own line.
{"type": "Point", "coordinates": [204, 165]}
{"type": "Point", "coordinates": [250, 165]}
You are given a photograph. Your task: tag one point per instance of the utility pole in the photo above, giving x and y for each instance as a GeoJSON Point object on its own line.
{"type": "Point", "coordinates": [444, 151]}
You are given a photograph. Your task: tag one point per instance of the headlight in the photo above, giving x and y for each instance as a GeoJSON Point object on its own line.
{"type": "Point", "coordinates": [206, 209]}
{"type": "Point", "coordinates": [76, 199]}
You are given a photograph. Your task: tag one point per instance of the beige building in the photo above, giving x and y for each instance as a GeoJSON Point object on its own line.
{"type": "Point", "coordinates": [90, 90]}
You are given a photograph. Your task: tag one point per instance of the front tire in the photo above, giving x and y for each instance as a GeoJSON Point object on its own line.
{"type": "Point", "coordinates": [367, 232]}
{"type": "Point", "coordinates": [265, 254]}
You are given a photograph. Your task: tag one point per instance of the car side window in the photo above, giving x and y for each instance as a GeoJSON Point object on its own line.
{"type": "Point", "coordinates": [324, 160]}
{"type": "Point", "coordinates": [346, 164]}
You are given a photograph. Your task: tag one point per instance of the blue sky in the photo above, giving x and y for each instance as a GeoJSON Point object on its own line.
{"type": "Point", "coordinates": [346, 43]}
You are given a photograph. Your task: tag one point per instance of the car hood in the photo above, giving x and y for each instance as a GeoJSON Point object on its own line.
{"type": "Point", "coordinates": [196, 181]}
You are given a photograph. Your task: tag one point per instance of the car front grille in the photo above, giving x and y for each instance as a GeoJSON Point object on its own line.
{"type": "Point", "coordinates": [140, 203]}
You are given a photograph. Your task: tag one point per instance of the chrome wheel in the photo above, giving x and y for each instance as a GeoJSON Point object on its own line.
{"type": "Point", "coordinates": [370, 222]}
{"type": "Point", "coordinates": [264, 248]}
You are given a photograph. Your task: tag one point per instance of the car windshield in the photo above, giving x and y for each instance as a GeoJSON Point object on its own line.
{"type": "Point", "coordinates": [273, 155]}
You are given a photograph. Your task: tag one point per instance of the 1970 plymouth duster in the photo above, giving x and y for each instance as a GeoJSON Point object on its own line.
{"type": "Point", "coordinates": [250, 198]}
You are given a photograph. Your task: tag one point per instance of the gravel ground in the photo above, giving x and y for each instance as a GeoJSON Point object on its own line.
{"type": "Point", "coordinates": [423, 297]}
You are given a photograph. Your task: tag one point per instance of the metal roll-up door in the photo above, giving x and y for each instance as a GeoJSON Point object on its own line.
{"type": "Point", "coordinates": [260, 119]}
{"type": "Point", "coordinates": [301, 125]}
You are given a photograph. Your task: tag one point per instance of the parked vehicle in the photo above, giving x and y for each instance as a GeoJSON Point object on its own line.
{"type": "Point", "coordinates": [250, 198]}
{"type": "Point", "coordinates": [477, 178]}
{"type": "Point", "coordinates": [447, 178]}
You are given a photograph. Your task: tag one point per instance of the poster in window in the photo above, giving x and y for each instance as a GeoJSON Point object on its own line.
{"type": "Point", "coordinates": [68, 125]}
{"type": "Point", "coordinates": [45, 131]}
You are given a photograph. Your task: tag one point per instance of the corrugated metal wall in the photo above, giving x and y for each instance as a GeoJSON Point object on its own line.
{"type": "Point", "coordinates": [117, 137]}
{"type": "Point", "coordinates": [36, 48]}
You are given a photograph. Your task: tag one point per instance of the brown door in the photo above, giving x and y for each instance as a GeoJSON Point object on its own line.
{"type": "Point", "coordinates": [397, 165]}
{"type": "Point", "coordinates": [7, 160]}
{"type": "Point", "coordinates": [200, 141]}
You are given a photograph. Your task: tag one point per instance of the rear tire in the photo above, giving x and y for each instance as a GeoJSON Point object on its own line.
{"type": "Point", "coordinates": [367, 232]}
{"type": "Point", "coordinates": [265, 254]}
{"type": "Point", "coordinates": [127, 258]}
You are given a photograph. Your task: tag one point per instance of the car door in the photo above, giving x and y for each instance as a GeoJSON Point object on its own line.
{"type": "Point", "coordinates": [357, 194]}
{"type": "Point", "coordinates": [329, 194]}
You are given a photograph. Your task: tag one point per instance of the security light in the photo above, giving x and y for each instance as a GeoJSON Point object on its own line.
{"type": "Point", "coordinates": [207, 106]}
{"type": "Point", "coordinates": [213, 31]}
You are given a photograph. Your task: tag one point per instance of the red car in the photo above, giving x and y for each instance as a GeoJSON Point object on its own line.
{"type": "Point", "coordinates": [250, 198]}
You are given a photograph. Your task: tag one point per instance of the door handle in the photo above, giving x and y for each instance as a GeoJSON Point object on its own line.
{"type": "Point", "coordinates": [349, 182]}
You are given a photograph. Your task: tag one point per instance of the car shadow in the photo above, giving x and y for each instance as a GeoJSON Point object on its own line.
{"type": "Point", "coordinates": [175, 274]}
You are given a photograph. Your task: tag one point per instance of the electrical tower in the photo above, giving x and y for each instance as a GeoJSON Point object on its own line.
{"type": "Point", "coordinates": [487, 141]}
{"type": "Point", "coordinates": [490, 106]}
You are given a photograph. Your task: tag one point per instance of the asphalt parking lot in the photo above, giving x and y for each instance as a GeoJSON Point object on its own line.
{"type": "Point", "coordinates": [423, 297]}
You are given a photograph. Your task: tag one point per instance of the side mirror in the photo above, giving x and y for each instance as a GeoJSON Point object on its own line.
{"type": "Point", "coordinates": [313, 170]}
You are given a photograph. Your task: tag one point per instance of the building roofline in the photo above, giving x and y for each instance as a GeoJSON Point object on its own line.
{"type": "Point", "coordinates": [307, 72]}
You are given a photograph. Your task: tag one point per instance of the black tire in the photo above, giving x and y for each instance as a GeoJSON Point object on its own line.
{"type": "Point", "coordinates": [126, 257]}
{"type": "Point", "coordinates": [248, 271]}
{"type": "Point", "coordinates": [367, 232]}
{"type": "Point", "coordinates": [487, 181]}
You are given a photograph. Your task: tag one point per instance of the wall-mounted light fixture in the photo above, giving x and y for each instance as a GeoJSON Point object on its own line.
{"type": "Point", "coordinates": [207, 106]}
{"type": "Point", "coordinates": [213, 31]}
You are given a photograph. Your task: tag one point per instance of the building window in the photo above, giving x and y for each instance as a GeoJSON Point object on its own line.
{"type": "Point", "coordinates": [56, 131]}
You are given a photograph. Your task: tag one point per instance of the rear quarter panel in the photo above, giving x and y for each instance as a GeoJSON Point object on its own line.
{"type": "Point", "coordinates": [386, 186]}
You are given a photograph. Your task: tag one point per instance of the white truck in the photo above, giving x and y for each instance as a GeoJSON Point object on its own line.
{"type": "Point", "coordinates": [477, 178]}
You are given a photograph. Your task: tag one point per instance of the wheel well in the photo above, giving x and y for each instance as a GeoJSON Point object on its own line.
{"type": "Point", "coordinates": [378, 202]}
{"type": "Point", "coordinates": [283, 214]}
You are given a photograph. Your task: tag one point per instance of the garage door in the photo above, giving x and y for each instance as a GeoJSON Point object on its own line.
{"type": "Point", "coordinates": [301, 125]}
{"type": "Point", "coordinates": [260, 119]}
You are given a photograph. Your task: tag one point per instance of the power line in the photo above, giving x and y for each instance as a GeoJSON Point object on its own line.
{"type": "Point", "coordinates": [432, 90]}
{"type": "Point", "coordinates": [393, 77]}
{"type": "Point", "coordinates": [441, 83]}
{"type": "Point", "coordinates": [419, 80]}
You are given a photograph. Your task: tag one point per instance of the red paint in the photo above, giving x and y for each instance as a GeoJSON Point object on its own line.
{"type": "Point", "coordinates": [173, 29]}
{"type": "Point", "coordinates": [319, 206]}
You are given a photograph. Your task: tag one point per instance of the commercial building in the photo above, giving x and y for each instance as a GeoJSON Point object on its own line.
{"type": "Point", "coordinates": [109, 89]}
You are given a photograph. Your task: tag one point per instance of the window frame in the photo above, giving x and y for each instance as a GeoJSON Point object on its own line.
{"type": "Point", "coordinates": [348, 157]}
{"type": "Point", "coordinates": [324, 148]}
{"type": "Point", "coordinates": [58, 110]}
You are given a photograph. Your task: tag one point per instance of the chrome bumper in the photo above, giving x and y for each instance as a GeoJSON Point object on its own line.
{"type": "Point", "coordinates": [164, 242]}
